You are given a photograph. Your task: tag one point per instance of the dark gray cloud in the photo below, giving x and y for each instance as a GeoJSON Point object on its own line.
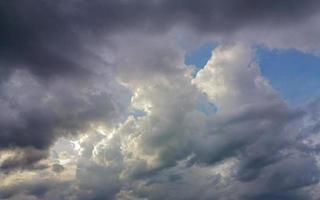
{"type": "Point", "coordinates": [35, 36]}
{"type": "Point", "coordinates": [24, 159]}
{"type": "Point", "coordinates": [48, 189]}
{"type": "Point", "coordinates": [56, 82]}
{"type": "Point", "coordinates": [35, 115]}
{"type": "Point", "coordinates": [47, 37]}
{"type": "Point", "coordinates": [40, 121]}
{"type": "Point", "coordinates": [285, 179]}
{"type": "Point", "coordinates": [57, 168]}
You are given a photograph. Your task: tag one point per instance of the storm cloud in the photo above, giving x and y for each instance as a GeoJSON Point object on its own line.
{"type": "Point", "coordinates": [48, 37]}
{"type": "Point", "coordinates": [97, 103]}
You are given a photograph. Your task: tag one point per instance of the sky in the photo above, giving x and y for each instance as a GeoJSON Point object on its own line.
{"type": "Point", "coordinates": [294, 74]}
{"type": "Point", "coordinates": [159, 100]}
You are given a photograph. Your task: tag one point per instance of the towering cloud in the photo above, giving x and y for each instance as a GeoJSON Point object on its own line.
{"type": "Point", "coordinates": [97, 103]}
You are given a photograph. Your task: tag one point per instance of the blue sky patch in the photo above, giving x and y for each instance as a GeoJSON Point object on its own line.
{"type": "Point", "coordinates": [296, 75]}
{"type": "Point", "coordinates": [199, 57]}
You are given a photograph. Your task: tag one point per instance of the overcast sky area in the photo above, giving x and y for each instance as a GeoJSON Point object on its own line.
{"type": "Point", "coordinates": [159, 100]}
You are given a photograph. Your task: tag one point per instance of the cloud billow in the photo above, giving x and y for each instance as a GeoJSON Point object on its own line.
{"type": "Point", "coordinates": [97, 103]}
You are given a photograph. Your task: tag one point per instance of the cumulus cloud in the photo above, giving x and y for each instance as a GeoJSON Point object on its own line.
{"type": "Point", "coordinates": [35, 115]}
{"type": "Point", "coordinates": [246, 150]}
{"type": "Point", "coordinates": [97, 103]}
{"type": "Point", "coordinates": [54, 40]}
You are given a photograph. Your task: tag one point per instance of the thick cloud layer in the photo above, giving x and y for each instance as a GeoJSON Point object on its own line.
{"type": "Point", "coordinates": [168, 148]}
{"type": "Point", "coordinates": [97, 103]}
{"type": "Point", "coordinates": [48, 37]}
